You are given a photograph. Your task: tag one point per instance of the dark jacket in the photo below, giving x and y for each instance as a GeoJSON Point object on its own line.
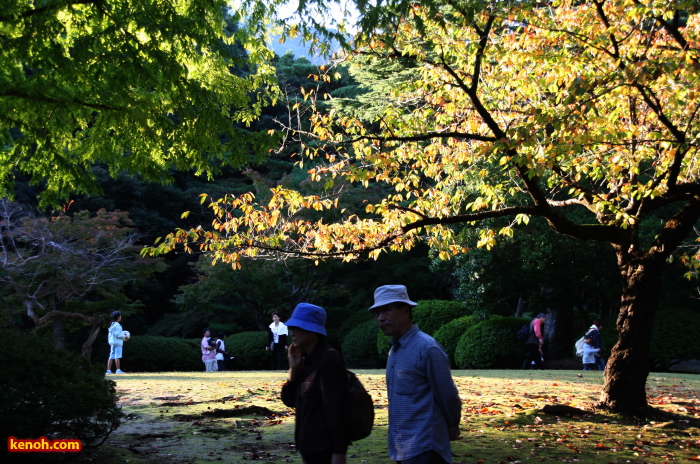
{"type": "Point", "coordinates": [320, 396]}
{"type": "Point", "coordinates": [594, 333]}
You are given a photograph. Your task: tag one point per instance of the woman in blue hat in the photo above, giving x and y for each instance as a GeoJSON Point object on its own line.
{"type": "Point", "coordinates": [317, 388]}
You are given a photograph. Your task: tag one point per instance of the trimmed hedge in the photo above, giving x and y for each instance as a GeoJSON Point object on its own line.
{"type": "Point", "coordinates": [491, 344]}
{"type": "Point", "coordinates": [155, 354]}
{"type": "Point", "coordinates": [57, 394]}
{"type": "Point", "coordinates": [449, 334]}
{"type": "Point", "coordinates": [360, 345]}
{"type": "Point", "coordinates": [248, 348]}
{"type": "Point", "coordinates": [430, 315]}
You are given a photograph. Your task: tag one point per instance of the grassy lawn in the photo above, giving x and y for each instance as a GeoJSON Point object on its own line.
{"type": "Point", "coordinates": [237, 417]}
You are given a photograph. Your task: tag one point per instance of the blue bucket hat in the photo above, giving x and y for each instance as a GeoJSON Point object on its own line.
{"type": "Point", "coordinates": [308, 317]}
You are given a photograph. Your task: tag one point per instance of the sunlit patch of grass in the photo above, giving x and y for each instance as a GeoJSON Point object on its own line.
{"type": "Point", "coordinates": [173, 418]}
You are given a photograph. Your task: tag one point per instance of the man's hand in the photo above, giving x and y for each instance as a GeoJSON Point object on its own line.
{"type": "Point", "coordinates": [454, 433]}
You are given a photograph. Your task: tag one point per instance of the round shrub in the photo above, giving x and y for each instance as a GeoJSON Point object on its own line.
{"type": "Point", "coordinates": [248, 348]}
{"type": "Point", "coordinates": [353, 320]}
{"type": "Point", "coordinates": [155, 354]}
{"type": "Point", "coordinates": [56, 394]}
{"type": "Point", "coordinates": [430, 315]}
{"type": "Point", "coordinates": [360, 345]}
{"type": "Point", "coordinates": [449, 334]}
{"type": "Point", "coordinates": [491, 344]}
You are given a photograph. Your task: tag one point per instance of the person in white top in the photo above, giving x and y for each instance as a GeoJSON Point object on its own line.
{"type": "Point", "coordinates": [589, 352]}
{"type": "Point", "coordinates": [115, 338]}
{"type": "Point", "coordinates": [221, 351]}
{"type": "Point", "coordinates": [277, 341]}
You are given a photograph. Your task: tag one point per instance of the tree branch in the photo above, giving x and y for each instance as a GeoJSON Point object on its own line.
{"type": "Point", "coordinates": [57, 101]}
{"type": "Point", "coordinates": [43, 9]}
{"type": "Point", "coordinates": [48, 317]}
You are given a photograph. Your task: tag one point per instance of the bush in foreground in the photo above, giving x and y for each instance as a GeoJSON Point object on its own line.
{"type": "Point", "coordinates": [56, 394]}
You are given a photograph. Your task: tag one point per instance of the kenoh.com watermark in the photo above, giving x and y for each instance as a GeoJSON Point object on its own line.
{"type": "Point", "coordinates": [43, 445]}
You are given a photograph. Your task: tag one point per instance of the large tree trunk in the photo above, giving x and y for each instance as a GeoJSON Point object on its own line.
{"type": "Point", "coordinates": [628, 366]}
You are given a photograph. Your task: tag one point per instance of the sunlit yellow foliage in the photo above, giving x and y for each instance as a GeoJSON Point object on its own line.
{"type": "Point", "coordinates": [518, 111]}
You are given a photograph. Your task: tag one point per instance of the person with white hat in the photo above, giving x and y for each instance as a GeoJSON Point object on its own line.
{"type": "Point", "coordinates": [424, 404]}
{"type": "Point", "coordinates": [317, 388]}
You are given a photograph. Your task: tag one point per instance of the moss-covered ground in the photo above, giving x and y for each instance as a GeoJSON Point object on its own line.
{"type": "Point", "coordinates": [237, 417]}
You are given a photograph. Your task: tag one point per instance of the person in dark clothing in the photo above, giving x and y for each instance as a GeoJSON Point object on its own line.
{"type": "Point", "coordinates": [597, 342]}
{"type": "Point", "coordinates": [277, 341]}
{"type": "Point", "coordinates": [221, 353]}
{"type": "Point", "coordinates": [534, 343]}
{"type": "Point", "coordinates": [317, 388]}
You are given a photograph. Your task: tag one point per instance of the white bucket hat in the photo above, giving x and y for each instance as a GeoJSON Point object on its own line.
{"type": "Point", "coordinates": [388, 294]}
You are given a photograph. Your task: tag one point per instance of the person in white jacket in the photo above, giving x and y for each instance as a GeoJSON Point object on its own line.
{"type": "Point", "coordinates": [589, 352]}
{"type": "Point", "coordinates": [115, 337]}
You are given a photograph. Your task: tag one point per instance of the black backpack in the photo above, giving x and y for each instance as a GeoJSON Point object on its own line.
{"type": "Point", "coordinates": [523, 333]}
{"type": "Point", "coordinates": [361, 417]}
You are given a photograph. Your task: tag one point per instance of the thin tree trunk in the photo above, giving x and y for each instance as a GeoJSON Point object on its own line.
{"type": "Point", "coordinates": [87, 346]}
{"type": "Point", "coordinates": [59, 333]}
{"type": "Point", "coordinates": [522, 306]}
{"type": "Point", "coordinates": [628, 366]}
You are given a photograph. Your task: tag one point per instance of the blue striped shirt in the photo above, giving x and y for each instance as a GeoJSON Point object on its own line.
{"type": "Point", "coordinates": [423, 399]}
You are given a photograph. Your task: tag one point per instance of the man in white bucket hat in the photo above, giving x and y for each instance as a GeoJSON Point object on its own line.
{"type": "Point", "coordinates": [424, 404]}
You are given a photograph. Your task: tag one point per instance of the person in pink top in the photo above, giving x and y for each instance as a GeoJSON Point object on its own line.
{"type": "Point", "coordinates": [208, 353]}
{"type": "Point", "coordinates": [534, 343]}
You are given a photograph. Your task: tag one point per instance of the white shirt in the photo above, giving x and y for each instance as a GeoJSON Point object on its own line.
{"type": "Point", "coordinates": [277, 330]}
